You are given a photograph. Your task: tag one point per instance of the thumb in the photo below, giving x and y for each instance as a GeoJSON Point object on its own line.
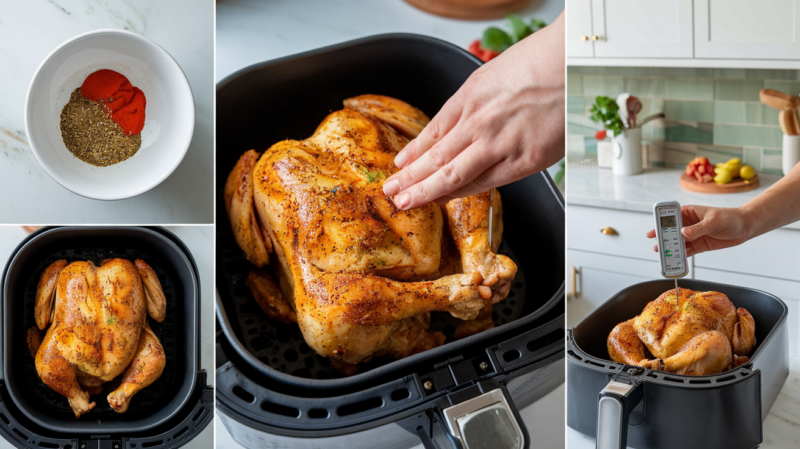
{"type": "Point", "coordinates": [694, 232]}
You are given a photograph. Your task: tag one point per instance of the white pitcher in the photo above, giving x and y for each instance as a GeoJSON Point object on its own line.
{"type": "Point", "coordinates": [791, 152]}
{"type": "Point", "coordinates": [627, 152]}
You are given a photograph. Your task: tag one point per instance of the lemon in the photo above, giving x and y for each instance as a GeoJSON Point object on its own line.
{"type": "Point", "coordinates": [720, 165]}
{"type": "Point", "coordinates": [723, 176]}
{"type": "Point", "coordinates": [747, 172]}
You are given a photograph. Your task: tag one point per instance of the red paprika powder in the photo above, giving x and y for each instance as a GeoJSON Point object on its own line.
{"type": "Point", "coordinates": [124, 103]}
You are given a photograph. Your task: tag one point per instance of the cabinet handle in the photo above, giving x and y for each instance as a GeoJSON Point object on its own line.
{"type": "Point", "coordinates": [573, 287]}
{"type": "Point", "coordinates": [584, 38]}
{"type": "Point", "coordinates": [597, 38]}
{"type": "Point", "coordinates": [608, 230]}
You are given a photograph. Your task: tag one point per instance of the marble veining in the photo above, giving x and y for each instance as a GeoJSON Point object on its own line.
{"type": "Point", "coordinates": [29, 31]}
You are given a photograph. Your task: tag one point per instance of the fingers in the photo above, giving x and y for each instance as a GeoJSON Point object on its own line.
{"type": "Point", "coordinates": [694, 232]}
{"type": "Point", "coordinates": [441, 181]}
{"type": "Point", "coordinates": [655, 248]}
{"type": "Point", "coordinates": [434, 132]}
{"type": "Point", "coordinates": [651, 234]}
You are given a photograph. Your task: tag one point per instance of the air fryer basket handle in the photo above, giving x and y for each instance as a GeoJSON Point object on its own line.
{"type": "Point", "coordinates": [491, 417]}
{"type": "Point", "coordinates": [614, 407]}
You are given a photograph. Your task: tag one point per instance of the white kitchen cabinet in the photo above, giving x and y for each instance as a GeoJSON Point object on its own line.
{"type": "Point", "coordinates": [602, 276]}
{"type": "Point", "coordinates": [775, 254]}
{"type": "Point", "coordinates": [745, 29]}
{"type": "Point", "coordinates": [642, 28]}
{"type": "Point", "coordinates": [579, 29]}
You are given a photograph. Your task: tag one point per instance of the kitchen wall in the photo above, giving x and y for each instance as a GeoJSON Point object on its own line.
{"type": "Point", "coordinates": [709, 112]}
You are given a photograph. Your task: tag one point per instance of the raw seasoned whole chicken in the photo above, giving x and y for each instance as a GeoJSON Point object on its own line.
{"type": "Point", "coordinates": [98, 330]}
{"type": "Point", "coordinates": [357, 274]}
{"type": "Point", "coordinates": [698, 333]}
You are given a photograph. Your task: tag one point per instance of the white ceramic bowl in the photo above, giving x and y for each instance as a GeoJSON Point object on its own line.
{"type": "Point", "coordinates": [169, 115]}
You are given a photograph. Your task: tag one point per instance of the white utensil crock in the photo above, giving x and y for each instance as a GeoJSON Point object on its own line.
{"type": "Point", "coordinates": [627, 153]}
{"type": "Point", "coordinates": [791, 152]}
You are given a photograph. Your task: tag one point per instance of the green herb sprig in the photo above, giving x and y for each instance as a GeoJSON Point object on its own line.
{"type": "Point", "coordinates": [605, 111]}
{"type": "Point", "coordinates": [498, 40]}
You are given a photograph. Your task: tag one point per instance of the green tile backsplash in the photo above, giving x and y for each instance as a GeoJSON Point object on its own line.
{"type": "Point", "coordinates": [709, 112]}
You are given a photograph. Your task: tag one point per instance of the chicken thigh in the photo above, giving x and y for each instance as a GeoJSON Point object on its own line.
{"type": "Point", "coordinates": [359, 275]}
{"type": "Point", "coordinates": [698, 333]}
{"type": "Point", "coordinates": [98, 330]}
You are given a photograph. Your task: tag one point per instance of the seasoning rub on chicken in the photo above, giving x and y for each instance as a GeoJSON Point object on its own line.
{"type": "Point", "coordinates": [357, 274]}
{"type": "Point", "coordinates": [98, 330]}
{"type": "Point", "coordinates": [698, 333]}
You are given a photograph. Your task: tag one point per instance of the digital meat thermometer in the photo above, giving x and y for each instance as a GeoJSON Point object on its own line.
{"type": "Point", "coordinates": [671, 247]}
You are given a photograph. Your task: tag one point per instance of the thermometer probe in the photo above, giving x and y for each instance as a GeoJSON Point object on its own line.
{"type": "Point", "coordinates": [671, 246]}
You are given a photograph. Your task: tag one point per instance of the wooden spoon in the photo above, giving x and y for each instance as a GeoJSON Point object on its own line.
{"type": "Point", "coordinates": [778, 100]}
{"type": "Point", "coordinates": [788, 122]}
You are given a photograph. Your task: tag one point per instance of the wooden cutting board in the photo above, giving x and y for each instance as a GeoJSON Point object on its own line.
{"type": "Point", "coordinates": [470, 9]}
{"type": "Point", "coordinates": [739, 185]}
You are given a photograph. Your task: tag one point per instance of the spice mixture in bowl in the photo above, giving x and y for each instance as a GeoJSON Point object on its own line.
{"type": "Point", "coordinates": [109, 114]}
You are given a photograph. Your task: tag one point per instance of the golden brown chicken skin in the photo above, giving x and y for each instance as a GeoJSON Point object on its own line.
{"type": "Point", "coordinates": [97, 330]}
{"type": "Point", "coordinates": [698, 333]}
{"type": "Point", "coordinates": [360, 275]}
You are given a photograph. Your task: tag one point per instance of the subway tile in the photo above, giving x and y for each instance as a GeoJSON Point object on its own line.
{"type": "Point", "coordinates": [685, 72]}
{"type": "Point", "coordinates": [694, 111]}
{"type": "Point", "coordinates": [772, 162]}
{"type": "Point", "coordinates": [575, 105]}
{"type": "Point", "coordinates": [787, 87]}
{"type": "Point", "coordinates": [574, 84]}
{"type": "Point", "coordinates": [715, 155]}
{"type": "Point", "coordinates": [689, 89]}
{"type": "Point", "coordinates": [769, 74]}
{"type": "Point", "coordinates": [737, 90]}
{"type": "Point", "coordinates": [747, 135]}
{"type": "Point", "coordinates": [729, 73]}
{"type": "Point", "coordinates": [610, 86]}
{"type": "Point", "coordinates": [741, 112]}
{"type": "Point", "coordinates": [752, 157]}
{"type": "Point", "coordinates": [683, 133]}
{"type": "Point", "coordinates": [590, 145]}
{"type": "Point", "coordinates": [644, 87]}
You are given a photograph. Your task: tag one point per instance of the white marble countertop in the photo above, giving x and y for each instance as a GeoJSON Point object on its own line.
{"type": "Point", "coordinates": [253, 31]}
{"type": "Point", "coordinates": [198, 239]}
{"type": "Point", "coordinates": [637, 193]}
{"type": "Point", "coordinates": [29, 31]}
{"type": "Point", "coordinates": [781, 428]}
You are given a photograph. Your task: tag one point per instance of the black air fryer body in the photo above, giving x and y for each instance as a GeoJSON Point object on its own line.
{"type": "Point", "coordinates": [676, 411]}
{"type": "Point", "coordinates": [168, 413]}
{"type": "Point", "coordinates": [272, 390]}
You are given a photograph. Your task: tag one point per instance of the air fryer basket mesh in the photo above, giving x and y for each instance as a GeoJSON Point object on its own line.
{"type": "Point", "coordinates": [165, 331]}
{"type": "Point", "coordinates": [282, 347]}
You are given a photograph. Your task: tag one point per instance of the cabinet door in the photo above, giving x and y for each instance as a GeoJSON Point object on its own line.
{"type": "Point", "coordinates": [744, 29]}
{"type": "Point", "coordinates": [579, 29]}
{"type": "Point", "coordinates": [642, 28]}
{"type": "Point", "coordinates": [600, 278]}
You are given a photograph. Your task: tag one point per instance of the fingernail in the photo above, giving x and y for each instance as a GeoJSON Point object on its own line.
{"type": "Point", "coordinates": [391, 187]}
{"type": "Point", "coordinates": [401, 201]}
{"type": "Point", "coordinates": [400, 159]}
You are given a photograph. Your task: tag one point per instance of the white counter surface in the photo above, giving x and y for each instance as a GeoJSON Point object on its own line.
{"type": "Point", "coordinates": [29, 31]}
{"type": "Point", "coordinates": [253, 31]}
{"type": "Point", "coordinates": [600, 188]}
{"type": "Point", "coordinates": [198, 239]}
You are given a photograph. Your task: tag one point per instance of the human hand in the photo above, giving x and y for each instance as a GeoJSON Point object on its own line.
{"type": "Point", "coordinates": [711, 228]}
{"type": "Point", "coordinates": [506, 122]}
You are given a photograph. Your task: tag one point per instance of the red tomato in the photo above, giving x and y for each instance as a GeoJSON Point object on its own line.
{"type": "Point", "coordinates": [600, 135]}
{"type": "Point", "coordinates": [701, 169]}
{"type": "Point", "coordinates": [476, 50]}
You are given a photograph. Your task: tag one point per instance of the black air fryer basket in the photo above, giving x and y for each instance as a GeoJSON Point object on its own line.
{"type": "Point", "coordinates": [272, 389]}
{"type": "Point", "coordinates": [168, 413]}
{"type": "Point", "coordinates": [649, 409]}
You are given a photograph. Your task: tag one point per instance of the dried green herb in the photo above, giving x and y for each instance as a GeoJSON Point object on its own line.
{"type": "Point", "coordinates": [91, 135]}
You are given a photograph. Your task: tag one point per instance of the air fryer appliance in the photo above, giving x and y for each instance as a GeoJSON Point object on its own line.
{"type": "Point", "coordinates": [168, 413]}
{"type": "Point", "coordinates": [647, 409]}
{"type": "Point", "coordinates": [273, 390]}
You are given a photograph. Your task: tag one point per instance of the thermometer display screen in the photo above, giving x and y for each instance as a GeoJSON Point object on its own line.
{"type": "Point", "coordinates": [670, 244]}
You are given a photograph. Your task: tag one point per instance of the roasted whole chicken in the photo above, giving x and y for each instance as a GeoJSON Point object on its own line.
{"type": "Point", "coordinates": [698, 333]}
{"type": "Point", "coordinates": [357, 274]}
{"type": "Point", "coordinates": [98, 330]}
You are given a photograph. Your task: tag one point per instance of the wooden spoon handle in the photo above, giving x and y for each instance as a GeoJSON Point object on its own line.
{"type": "Point", "coordinates": [778, 100]}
